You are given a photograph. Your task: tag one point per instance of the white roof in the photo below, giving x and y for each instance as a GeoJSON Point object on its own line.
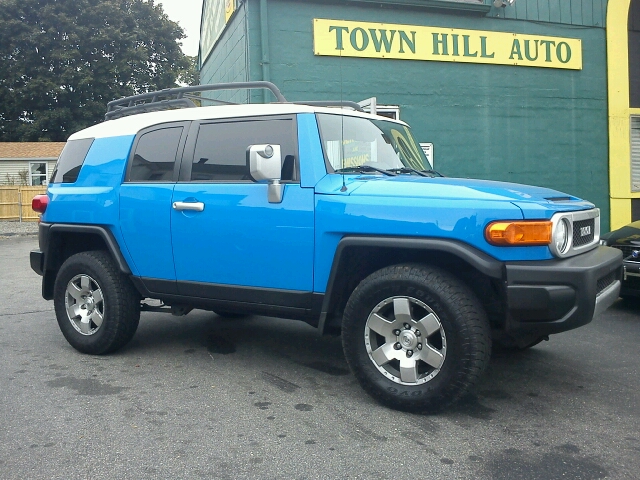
{"type": "Point", "coordinates": [132, 124]}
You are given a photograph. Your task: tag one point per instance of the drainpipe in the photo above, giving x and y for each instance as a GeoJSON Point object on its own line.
{"type": "Point", "coordinates": [264, 43]}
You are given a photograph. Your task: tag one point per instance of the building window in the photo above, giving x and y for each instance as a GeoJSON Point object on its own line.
{"type": "Point", "coordinates": [38, 173]}
{"type": "Point", "coordinates": [389, 111]}
{"type": "Point", "coordinates": [370, 105]}
{"type": "Point", "coordinates": [635, 154]}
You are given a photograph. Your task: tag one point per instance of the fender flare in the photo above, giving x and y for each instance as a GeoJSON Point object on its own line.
{"type": "Point", "coordinates": [484, 263]}
{"type": "Point", "coordinates": [101, 231]}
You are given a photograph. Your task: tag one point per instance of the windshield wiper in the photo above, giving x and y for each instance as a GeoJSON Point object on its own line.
{"type": "Point", "coordinates": [407, 170]}
{"type": "Point", "coordinates": [365, 168]}
{"type": "Point", "coordinates": [432, 173]}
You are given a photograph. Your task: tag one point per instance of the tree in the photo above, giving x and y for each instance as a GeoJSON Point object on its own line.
{"type": "Point", "coordinates": [61, 61]}
{"type": "Point", "coordinates": [190, 75]}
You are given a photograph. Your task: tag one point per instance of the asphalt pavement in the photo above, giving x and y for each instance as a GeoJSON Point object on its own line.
{"type": "Point", "coordinates": [204, 397]}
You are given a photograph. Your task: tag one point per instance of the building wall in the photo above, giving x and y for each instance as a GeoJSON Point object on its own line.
{"type": "Point", "coordinates": [538, 126]}
{"type": "Point", "coordinates": [625, 200]}
{"type": "Point", "coordinates": [228, 62]}
{"type": "Point", "coordinates": [11, 169]}
{"type": "Point", "coordinates": [590, 13]}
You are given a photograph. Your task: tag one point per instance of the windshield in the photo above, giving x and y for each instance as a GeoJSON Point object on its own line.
{"type": "Point", "coordinates": [350, 142]}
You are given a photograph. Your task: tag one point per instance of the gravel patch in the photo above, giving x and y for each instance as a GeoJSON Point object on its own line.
{"type": "Point", "coordinates": [18, 229]}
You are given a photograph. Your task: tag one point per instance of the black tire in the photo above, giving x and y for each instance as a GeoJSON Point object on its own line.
{"type": "Point", "coordinates": [453, 321]}
{"type": "Point", "coordinates": [109, 299]}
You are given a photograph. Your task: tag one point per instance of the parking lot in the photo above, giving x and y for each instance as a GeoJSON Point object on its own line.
{"type": "Point", "coordinates": [203, 397]}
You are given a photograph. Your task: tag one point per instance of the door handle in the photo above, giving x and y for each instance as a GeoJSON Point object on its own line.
{"type": "Point", "coordinates": [190, 206]}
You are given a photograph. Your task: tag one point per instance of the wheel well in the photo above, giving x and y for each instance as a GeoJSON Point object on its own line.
{"type": "Point", "coordinates": [358, 262]}
{"type": "Point", "coordinates": [61, 246]}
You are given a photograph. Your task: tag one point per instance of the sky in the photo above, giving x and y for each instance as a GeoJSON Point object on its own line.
{"type": "Point", "coordinates": [187, 14]}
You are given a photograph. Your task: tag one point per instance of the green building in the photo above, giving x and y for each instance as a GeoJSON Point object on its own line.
{"type": "Point", "coordinates": [527, 91]}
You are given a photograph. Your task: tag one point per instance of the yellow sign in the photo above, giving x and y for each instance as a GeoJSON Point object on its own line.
{"type": "Point", "coordinates": [414, 42]}
{"type": "Point", "coordinates": [229, 8]}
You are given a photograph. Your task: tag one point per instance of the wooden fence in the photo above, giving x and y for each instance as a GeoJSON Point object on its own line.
{"type": "Point", "coordinates": [15, 203]}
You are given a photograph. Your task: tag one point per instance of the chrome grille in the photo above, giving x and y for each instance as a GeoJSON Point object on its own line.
{"type": "Point", "coordinates": [583, 232]}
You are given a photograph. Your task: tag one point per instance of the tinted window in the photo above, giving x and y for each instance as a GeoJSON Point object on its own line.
{"type": "Point", "coordinates": [155, 157]}
{"type": "Point", "coordinates": [71, 160]}
{"type": "Point", "coordinates": [221, 148]}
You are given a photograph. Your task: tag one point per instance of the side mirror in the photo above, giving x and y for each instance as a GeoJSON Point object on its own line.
{"type": "Point", "coordinates": [265, 163]}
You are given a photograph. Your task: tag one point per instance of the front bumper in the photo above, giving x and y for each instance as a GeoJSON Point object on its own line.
{"type": "Point", "coordinates": [553, 296]}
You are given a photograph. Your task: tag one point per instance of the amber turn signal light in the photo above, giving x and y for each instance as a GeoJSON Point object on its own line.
{"type": "Point", "coordinates": [518, 233]}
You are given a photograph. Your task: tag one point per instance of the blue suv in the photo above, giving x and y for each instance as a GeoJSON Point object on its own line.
{"type": "Point", "coordinates": [317, 212]}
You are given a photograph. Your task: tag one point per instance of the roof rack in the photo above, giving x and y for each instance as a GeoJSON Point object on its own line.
{"type": "Point", "coordinates": [177, 97]}
{"type": "Point", "coordinates": [333, 103]}
{"type": "Point", "coordinates": [182, 97]}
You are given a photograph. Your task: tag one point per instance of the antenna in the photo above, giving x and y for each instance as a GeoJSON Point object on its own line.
{"type": "Point", "coordinates": [344, 186]}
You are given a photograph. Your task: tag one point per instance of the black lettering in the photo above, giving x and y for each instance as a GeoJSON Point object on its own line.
{"type": "Point", "coordinates": [567, 53]}
{"type": "Point", "coordinates": [339, 31]}
{"type": "Point", "coordinates": [377, 42]}
{"type": "Point", "coordinates": [410, 43]}
{"type": "Point", "coordinates": [364, 38]}
{"type": "Point", "coordinates": [437, 42]}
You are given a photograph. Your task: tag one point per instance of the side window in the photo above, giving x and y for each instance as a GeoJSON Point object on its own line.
{"type": "Point", "coordinates": [221, 148]}
{"type": "Point", "coordinates": [70, 161]}
{"type": "Point", "coordinates": [155, 157]}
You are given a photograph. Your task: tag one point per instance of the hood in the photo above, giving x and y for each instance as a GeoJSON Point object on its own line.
{"type": "Point", "coordinates": [525, 196]}
{"type": "Point", "coordinates": [534, 202]}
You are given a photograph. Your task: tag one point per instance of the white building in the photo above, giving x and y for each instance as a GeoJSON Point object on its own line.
{"type": "Point", "coordinates": [28, 163]}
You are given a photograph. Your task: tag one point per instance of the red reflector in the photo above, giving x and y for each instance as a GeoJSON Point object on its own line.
{"type": "Point", "coordinates": [39, 203]}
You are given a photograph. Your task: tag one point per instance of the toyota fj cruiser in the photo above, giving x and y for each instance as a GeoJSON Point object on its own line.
{"type": "Point", "coordinates": [311, 212]}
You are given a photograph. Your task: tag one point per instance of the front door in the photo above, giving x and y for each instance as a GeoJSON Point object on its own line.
{"type": "Point", "coordinates": [227, 238]}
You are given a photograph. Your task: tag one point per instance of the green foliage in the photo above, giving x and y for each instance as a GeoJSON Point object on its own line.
{"type": "Point", "coordinates": [190, 75]}
{"type": "Point", "coordinates": [61, 61]}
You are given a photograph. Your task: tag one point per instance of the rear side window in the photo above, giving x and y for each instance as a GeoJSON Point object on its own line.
{"type": "Point", "coordinates": [155, 155]}
{"type": "Point", "coordinates": [221, 148]}
{"type": "Point", "coordinates": [70, 161]}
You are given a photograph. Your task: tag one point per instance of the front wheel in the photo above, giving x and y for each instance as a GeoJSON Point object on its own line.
{"type": "Point", "coordinates": [415, 337]}
{"type": "Point", "coordinates": [96, 306]}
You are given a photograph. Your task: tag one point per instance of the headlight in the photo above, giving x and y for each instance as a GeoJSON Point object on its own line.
{"type": "Point", "coordinates": [561, 236]}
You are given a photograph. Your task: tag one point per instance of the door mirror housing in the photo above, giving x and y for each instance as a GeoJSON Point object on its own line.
{"type": "Point", "coordinates": [265, 163]}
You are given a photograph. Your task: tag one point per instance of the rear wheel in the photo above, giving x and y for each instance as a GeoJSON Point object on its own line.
{"type": "Point", "coordinates": [97, 307]}
{"type": "Point", "coordinates": [415, 337]}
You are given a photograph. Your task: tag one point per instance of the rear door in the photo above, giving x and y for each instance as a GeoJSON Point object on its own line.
{"type": "Point", "coordinates": [241, 247]}
{"type": "Point", "coordinates": [145, 202]}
